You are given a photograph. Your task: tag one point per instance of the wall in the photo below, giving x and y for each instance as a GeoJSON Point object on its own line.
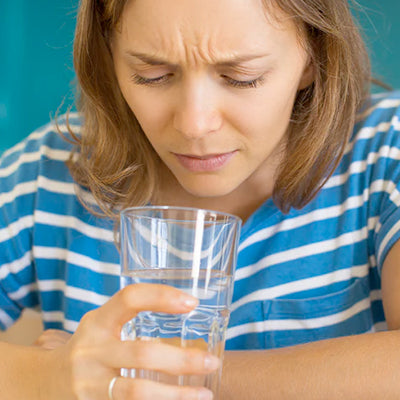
{"type": "Point", "coordinates": [36, 63]}
{"type": "Point", "coordinates": [380, 23]}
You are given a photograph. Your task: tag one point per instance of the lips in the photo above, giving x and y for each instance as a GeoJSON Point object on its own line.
{"type": "Point", "coordinates": [206, 163]}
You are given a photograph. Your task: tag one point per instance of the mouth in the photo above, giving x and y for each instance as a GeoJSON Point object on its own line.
{"type": "Point", "coordinates": [204, 163]}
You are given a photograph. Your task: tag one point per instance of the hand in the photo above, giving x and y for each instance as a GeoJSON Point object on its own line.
{"type": "Point", "coordinates": [83, 368]}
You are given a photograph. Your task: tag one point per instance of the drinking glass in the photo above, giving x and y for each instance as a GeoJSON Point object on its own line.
{"type": "Point", "coordinates": [195, 251]}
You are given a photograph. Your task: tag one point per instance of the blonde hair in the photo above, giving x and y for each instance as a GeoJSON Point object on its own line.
{"type": "Point", "coordinates": [118, 165]}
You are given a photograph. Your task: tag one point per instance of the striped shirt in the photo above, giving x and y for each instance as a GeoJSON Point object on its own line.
{"type": "Point", "coordinates": [307, 275]}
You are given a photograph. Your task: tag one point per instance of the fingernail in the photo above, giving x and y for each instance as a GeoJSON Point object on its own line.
{"type": "Point", "coordinates": [189, 302]}
{"type": "Point", "coordinates": [211, 362]}
{"type": "Point", "coordinates": [205, 394]}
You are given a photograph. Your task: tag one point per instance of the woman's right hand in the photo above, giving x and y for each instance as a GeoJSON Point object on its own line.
{"type": "Point", "coordinates": [83, 368]}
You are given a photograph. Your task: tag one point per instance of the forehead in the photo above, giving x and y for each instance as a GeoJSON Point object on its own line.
{"type": "Point", "coordinates": [207, 26]}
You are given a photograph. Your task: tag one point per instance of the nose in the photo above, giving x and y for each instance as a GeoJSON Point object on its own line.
{"type": "Point", "coordinates": [197, 113]}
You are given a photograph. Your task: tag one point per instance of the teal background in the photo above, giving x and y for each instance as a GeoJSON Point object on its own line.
{"type": "Point", "coordinates": [36, 73]}
{"type": "Point", "coordinates": [35, 64]}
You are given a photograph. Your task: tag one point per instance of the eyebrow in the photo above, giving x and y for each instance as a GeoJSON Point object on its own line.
{"type": "Point", "coordinates": [229, 62]}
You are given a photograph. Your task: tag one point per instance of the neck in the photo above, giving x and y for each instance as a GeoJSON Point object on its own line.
{"type": "Point", "coordinates": [242, 202]}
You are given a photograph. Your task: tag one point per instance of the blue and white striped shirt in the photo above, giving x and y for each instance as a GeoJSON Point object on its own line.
{"type": "Point", "coordinates": [308, 275]}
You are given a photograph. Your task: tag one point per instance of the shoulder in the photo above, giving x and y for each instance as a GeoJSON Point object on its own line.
{"type": "Point", "coordinates": [377, 129]}
{"type": "Point", "coordinates": [379, 105]}
{"type": "Point", "coordinates": [371, 158]}
{"type": "Point", "coordinates": [48, 146]}
{"type": "Point", "coordinates": [380, 114]}
{"type": "Point", "coordinates": [37, 165]}
{"type": "Point", "coordinates": [48, 139]}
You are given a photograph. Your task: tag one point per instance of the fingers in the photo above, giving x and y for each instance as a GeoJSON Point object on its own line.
{"type": "Point", "coordinates": [159, 357]}
{"type": "Point", "coordinates": [96, 347]}
{"type": "Point", "coordinates": [125, 304]}
{"type": "Point", "coordinates": [125, 388]}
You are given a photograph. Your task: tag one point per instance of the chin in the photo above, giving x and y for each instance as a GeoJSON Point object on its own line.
{"type": "Point", "coordinates": [208, 189]}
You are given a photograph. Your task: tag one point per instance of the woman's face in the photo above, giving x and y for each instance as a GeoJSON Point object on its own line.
{"type": "Point", "coordinates": [212, 84]}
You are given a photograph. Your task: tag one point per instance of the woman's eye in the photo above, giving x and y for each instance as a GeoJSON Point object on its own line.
{"type": "Point", "coordinates": [253, 83]}
{"type": "Point", "coordinates": [141, 80]}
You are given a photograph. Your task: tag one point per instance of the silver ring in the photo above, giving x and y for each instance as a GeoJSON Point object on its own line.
{"type": "Point", "coordinates": [111, 387]}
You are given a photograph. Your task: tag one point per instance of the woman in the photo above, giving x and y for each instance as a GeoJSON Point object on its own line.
{"type": "Point", "coordinates": [243, 106]}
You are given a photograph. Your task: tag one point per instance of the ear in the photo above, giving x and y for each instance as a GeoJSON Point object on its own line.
{"type": "Point", "coordinates": [308, 75]}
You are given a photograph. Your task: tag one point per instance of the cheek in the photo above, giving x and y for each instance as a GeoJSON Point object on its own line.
{"type": "Point", "coordinates": [151, 112]}
{"type": "Point", "coordinates": [264, 115]}
{"type": "Point", "coordinates": [274, 103]}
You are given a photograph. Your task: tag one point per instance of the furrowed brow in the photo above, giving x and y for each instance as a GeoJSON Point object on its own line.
{"type": "Point", "coordinates": [148, 59]}
{"type": "Point", "coordinates": [237, 60]}
{"type": "Point", "coordinates": [228, 62]}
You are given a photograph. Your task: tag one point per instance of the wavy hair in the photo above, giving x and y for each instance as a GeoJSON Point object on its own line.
{"type": "Point", "coordinates": [116, 162]}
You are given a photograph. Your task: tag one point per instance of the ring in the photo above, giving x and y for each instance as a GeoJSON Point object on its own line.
{"type": "Point", "coordinates": [111, 387]}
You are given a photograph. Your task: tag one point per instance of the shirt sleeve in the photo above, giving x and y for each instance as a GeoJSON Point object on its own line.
{"type": "Point", "coordinates": [385, 187]}
{"type": "Point", "coordinates": [18, 186]}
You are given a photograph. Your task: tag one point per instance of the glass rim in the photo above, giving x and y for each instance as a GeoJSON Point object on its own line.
{"type": "Point", "coordinates": [135, 211]}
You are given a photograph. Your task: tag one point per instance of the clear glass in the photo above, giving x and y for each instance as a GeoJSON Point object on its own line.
{"type": "Point", "coordinates": [195, 251]}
